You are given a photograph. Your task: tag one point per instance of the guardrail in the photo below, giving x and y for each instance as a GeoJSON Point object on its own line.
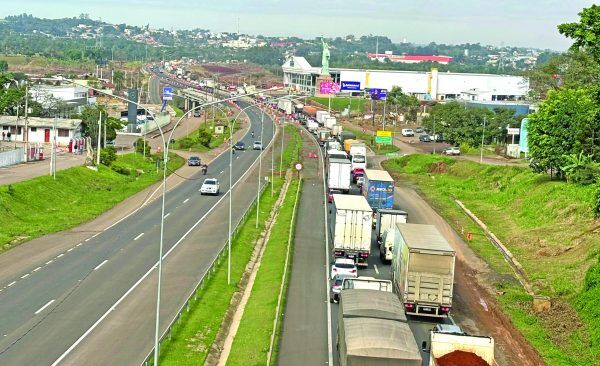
{"type": "Point", "coordinates": [205, 277]}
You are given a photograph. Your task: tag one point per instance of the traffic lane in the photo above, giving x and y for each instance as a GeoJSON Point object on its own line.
{"type": "Point", "coordinates": [127, 334]}
{"type": "Point", "coordinates": [304, 327]}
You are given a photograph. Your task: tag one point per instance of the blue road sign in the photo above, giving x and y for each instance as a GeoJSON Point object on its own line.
{"type": "Point", "coordinates": [350, 85]}
{"type": "Point", "coordinates": [378, 94]}
{"type": "Point", "coordinates": [167, 93]}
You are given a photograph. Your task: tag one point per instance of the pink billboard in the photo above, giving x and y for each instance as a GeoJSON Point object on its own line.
{"type": "Point", "coordinates": [329, 87]}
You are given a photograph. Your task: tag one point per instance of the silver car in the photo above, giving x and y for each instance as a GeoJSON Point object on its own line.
{"type": "Point", "coordinates": [336, 287]}
{"type": "Point", "coordinates": [210, 186]}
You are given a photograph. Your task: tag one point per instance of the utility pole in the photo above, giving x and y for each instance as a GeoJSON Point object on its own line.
{"type": "Point", "coordinates": [99, 134]}
{"type": "Point", "coordinates": [434, 136]}
{"type": "Point", "coordinates": [482, 138]}
{"type": "Point", "coordinates": [26, 133]}
{"type": "Point", "coordinates": [262, 120]}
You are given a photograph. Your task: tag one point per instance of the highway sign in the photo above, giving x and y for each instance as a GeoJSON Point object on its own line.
{"type": "Point", "coordinates": [167, 93]}
{"type": "Point", "coordinates": [378, 94]}
{"type": "Point", "coordinates": [513, 131]}
{"type": "Point", "coordinates": [383, 140]}
{"type": "Point", "coordinates": [350, 85]}
{"type": "Point", "coordinates": [381, 133]}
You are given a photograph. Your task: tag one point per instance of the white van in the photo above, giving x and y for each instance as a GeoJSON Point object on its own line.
{"type": "Point", "coordinates": [408, 132]}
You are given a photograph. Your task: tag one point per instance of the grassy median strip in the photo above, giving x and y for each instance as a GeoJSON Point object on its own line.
{"type": "Point", "coordinates": [253, 337]}
{"type": "Point", "coordinates": [190, 342]}
{"type": "Point", "coordinates": [42, 205]}
{"type": "Point", "coordinates": [547, 225]}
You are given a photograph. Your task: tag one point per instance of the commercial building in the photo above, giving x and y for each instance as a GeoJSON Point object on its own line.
{"type": "Point", "coordinates": [73, 96]}
{"type": "Point", "coordinates": [40, 130]}
{"type": "Point", "coordinates": [409, 59]}
{"type": "Point", "coordinates": [299, 75]}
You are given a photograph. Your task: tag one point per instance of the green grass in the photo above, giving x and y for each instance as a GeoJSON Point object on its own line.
{"type": "Point", "coordinates": [546, 224]}
{"type": "Point", "coordinates": [253, 337]}
{"type": "Point", "coordinates": [178, 111]}
{"type": "Point", "coordinates": [192, 142]}
{"type": "Point", "coordinates": [42, 205]}
{"type": "Point", "coordinates": [370, 141]}
{"type": "Point", "coordinates": [339, 104]}
{"type": "Point", "coordinates": [192, 339]}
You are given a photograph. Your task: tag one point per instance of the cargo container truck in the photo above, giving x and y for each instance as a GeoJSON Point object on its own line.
{"type": "Point", "coordinates": [352, 228]}
{"type": "Point", "coordinates": [378, 189]}
{"type": "Point", "coordinates": [338, 174]}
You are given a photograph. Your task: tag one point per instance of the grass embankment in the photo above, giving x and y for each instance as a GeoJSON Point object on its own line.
{"type": "Point", "coordinates": [548, 226]}
{"type": "Point", "coordinates": [339, 104]}
{"type": "Point", "coordinates": [42, 205]}
{"type": "Point", "coordinates": [253, 337]}
{"type": "Point", "coordinates": [191, 340]}
{"type": "Point", "coordinates": [194, 141]}
{"type": "Point", "coordinates": [370, 141]}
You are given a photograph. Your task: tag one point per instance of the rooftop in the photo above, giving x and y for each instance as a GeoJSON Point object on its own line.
{"type": "Point", "coordinates": [65, 123]}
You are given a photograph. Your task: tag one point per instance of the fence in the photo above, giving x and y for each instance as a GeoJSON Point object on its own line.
{"type": "Point", "coordinates": [205, 277]}
{"type": "Point", "coordinates": [11, 157]}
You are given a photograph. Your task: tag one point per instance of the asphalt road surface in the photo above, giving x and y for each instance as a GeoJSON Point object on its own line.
{"type": "Point", "coordinates": [51, 309]}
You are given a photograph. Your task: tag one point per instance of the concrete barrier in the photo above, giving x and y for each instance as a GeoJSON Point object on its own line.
{"type": "Point", "coordinates": [12, 157]}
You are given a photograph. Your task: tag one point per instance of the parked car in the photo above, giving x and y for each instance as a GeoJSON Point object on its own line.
{"type": "Point", "coordinates": [438, 137]}
{"type": "Point", "coordinates": [210, 186]}
{"type": "Point", "coordinates": [193, 161]}
{"type": "Point", "coordinates": [239, 145]}
{"type": "Point", "coordinates": [451, 151]}
{"type": "Point", "coordinates": [408, 132]}
{"type": "Point", "coordinates": [257, 145]}
{"type": "Point", "coordinates": [419, 129]}
{"type": "Point", "coordinates": [197, 113]}
{"type": "Point", "coordinates": [424, 138]}
{"type": "Point", "coordinates": [336, 287]}
{"type": "Point", "coordinates": [343, 266]}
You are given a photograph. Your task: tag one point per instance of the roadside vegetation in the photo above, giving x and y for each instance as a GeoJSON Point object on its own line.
{"type": "Point", "coordinates": [251, 343]}
{"type": "Point", "coordinates": [203, 139]}
{"type": "Point", "coordinates": [339, 104]}
{"type": "Point", "coordinates": [548, 225]}
{"type": "Point", "coordinates": [42, 205]}
{"type": "Point", "coordinates": [369, 140]}
{"type": "Point", "coordinates": [191, 341]}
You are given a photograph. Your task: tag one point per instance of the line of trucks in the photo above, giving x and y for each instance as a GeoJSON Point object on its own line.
{"type": "Point", "coordinates": [372, 316]}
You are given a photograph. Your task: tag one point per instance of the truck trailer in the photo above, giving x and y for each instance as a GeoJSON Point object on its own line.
{"type": "Point", "coordinates": [378, 189]}
{"type": "Point", "coordinates": [446, 348]}
{"type": "Point", "coordinates": [352, 228]}
{"type": "Point", "coordinates": [358, 154]}
{"type": "Point", "coordinates": [423, 270]}
{"type": "Point", "coordinates": [339, 174]}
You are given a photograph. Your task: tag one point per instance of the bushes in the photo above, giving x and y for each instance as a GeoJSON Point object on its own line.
{"type": "Point", "coordinates": [121, 168]}
{"type": "Point", "coordinates": [142, 148]}
{"type": "Point", "coordinates": [204, 137]}
{"type": "Point", "coordinates": [108, 155]}
{"type": "Point", "coordinates": [596, 203]}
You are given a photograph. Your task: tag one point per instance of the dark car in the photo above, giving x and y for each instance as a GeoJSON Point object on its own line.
{"type": "Point", "coordinates": [239, 146]}
{"type": "Point", "coordinates": [193, 161]}
{"type": "Point", "coordinates": [197, 113]}
{"type": "Point", "coordinates": [425, 138]}
{"type": "Point", "coordinates": [419, 129]}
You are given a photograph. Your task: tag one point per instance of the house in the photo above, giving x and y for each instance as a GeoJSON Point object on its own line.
{"type": "Point", "coordinates": [41, 130]}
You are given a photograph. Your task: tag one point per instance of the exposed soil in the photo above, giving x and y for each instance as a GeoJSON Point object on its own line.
{"type": "Point", "coordinates": [461, 358]}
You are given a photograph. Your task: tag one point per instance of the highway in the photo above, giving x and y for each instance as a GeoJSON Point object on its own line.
{"type": "Point", "coordinates": [53, 303]}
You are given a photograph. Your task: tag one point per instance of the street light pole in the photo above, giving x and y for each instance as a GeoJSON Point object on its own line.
{"type": "Point", "coordinates": [262, 119]}
{"type": "Point", "coordinates": [482, 138]}
{"type": "Point", "coordinates": [99, 135]}
{"type": "Point", "coordinates": [434, 136]}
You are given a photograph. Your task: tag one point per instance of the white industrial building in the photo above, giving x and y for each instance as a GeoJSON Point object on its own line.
{"type": "Point", "coordinates": [299, 75]}
{"type": "Point", "coordinates": [41, 130]}
{"type": "Point", "coordinates": [74, 96]}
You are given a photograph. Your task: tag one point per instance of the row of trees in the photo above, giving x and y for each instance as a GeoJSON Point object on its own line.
{"type": "Point", "coordinates": [564, 134]}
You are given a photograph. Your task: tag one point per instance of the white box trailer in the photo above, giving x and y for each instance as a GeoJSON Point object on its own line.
{"type": "Point", "coordinates": [321, 116]}
{"type": "Point", "coordinates": [336, 130]}
{"type": "Point", "coordinates": [352, 228]}
{"type": "Point", "coordinates": [478, 347]}
{"type": "Point", "coordinates": [423, 270]}
{"type": "Point", "coordinates": [286, 106]}
{"type": "Point", "coordinates": [329, 122]}
{"type": "Point", "coordinates": [385, 229]}
{"type": "Point", "coordinates": [339, 174]}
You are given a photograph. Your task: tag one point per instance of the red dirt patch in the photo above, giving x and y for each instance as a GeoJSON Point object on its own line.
{"type": "Point", "coordinates": [461, 358]}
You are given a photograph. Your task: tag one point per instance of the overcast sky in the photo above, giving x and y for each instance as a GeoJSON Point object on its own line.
{"type": "Point", "coordinates": [529, 23]}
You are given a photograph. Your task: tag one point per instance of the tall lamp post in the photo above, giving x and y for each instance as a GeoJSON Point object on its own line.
{"type": "Point", "coordinates": [482, 138]}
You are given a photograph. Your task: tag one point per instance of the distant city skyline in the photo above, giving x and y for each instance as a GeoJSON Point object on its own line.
{"type": "Point", "coordinates": [529, 23]}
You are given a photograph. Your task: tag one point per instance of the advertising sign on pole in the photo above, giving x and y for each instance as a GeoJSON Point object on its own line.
{"type": "Point", "coordinates": [350, 85]}
{"type": "Point", "coordinates": [382, 133]}
{"type": "Point", "coordinates": [167, 93]}
{"type": "Point", "coordinates": [329, 87]}
{"type": "Point", "coordinates": [378, 94]}
{"type": "Point", "coordinates": [383, 137]}
{"type": "Point", "coordinates": [513, 131]}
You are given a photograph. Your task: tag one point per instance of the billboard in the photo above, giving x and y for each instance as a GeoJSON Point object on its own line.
{"type": "Point", "coordinates": [350, 85]}
{"type": "Point", "coordinates": [378, 94]}
{"type": "Point", "coordinates": [167, 93]}
{"type": "Point", "coordinates": [329, 87]}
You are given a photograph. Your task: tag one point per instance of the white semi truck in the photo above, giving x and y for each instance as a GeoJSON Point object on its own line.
{"type": "Point", "coordinates": [352, 228]}
{"type": "Point", "coordinates": [339, 174]}
{"type": "Point", "coordinates": [423, 270]}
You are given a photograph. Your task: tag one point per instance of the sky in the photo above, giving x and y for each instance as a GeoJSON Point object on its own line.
{"type": "Point", "coordinates": [527, 23]}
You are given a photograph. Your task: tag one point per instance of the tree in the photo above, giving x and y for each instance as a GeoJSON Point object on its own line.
{"type": "Point", "coordinates": [3, 66]}
{"type": "Point", "coordinates": [89, 124]}
{"type": "Point", "coordinates": [118, 79]}
{"type": "Point", "coordinates": [564, 124]}
{"type": "Point", "coordinates": [406, 104]}
{"type": "Point", "coordinates": [586, 33]}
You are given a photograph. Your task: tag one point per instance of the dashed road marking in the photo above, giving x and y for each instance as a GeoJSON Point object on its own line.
{"type": "Point", "coordinates": [25, 275]}
{"type": "Point", "coordinates": [376, 269]}
{"type": "Point", "coordinates": [167, 215]}
{"type": "Point", "coordinates": [78, 245]}
{"type": "Point", "coordinates": [43, 307]}
{"type": "Point", "coordinates": [12, 283]}
{"type": "Point", "coordinates": [37, 269]}
{"type": "Point", "coordinates": [139, 236]}
{"type": "Point", "coordinates": [88, 239]}
{"type": "Point", "coordinates": [50, 261]}
{"type": "Point", "coordinates": [186, 200]}
{"type": "Point", "coordinates": [60, 255]}
{"type": "Point", "coordinates": [70, 249]}
{"type": "Point", "coordinates": [101, 264]}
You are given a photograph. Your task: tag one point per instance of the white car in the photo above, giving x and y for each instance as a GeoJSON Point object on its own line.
{"type": "Point", "coordinates": [257, 145]}
{"type": "Point", "coordinates": [451, 151]}
{"type": "Point", "coordinates": [343, 266]}
{"type": "Point", "coordinates": [408, 132]}
{"type": "Point", "coordinates": [210, 186]}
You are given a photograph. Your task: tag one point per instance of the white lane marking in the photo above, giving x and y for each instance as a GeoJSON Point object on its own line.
{"type": "Point", "coordinates": [135, 285]}
{"type": "Point", "coordinates": [139, 236]}
{"type": "Point", "coordinates": [43, 307]}
{"type": "Point", "coordinates": [68, 250]}
{"type": "Point", "coordinates": [221, 172]}
{"type": "Point", "coordinates": [50, 261]}
{"type": "Point", "coordinates": [60, 255]}
{"type": "Point", "coordinates": [167, 215]}
{"type": "Point", "coordinates": [186, 200]}
{"type": "Point", "coordinates": [12, 283]}
{"type": "Point", "coordinates": [237, 157]}
{"type": "Point", "coordinates": [376, 269]}
{"type": "Point", "coordinates": [25, 275]}
{"type": "Point", "coordinates": [101, 264]}
{"type": "Point", "coordinates": [88, 239]}
{"type": "Point", "coordinates": [78, 245]}
{"type": "Point", "coordinates": [37, 269]}
{"type": "Point", "coordinates": [95, 235]}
